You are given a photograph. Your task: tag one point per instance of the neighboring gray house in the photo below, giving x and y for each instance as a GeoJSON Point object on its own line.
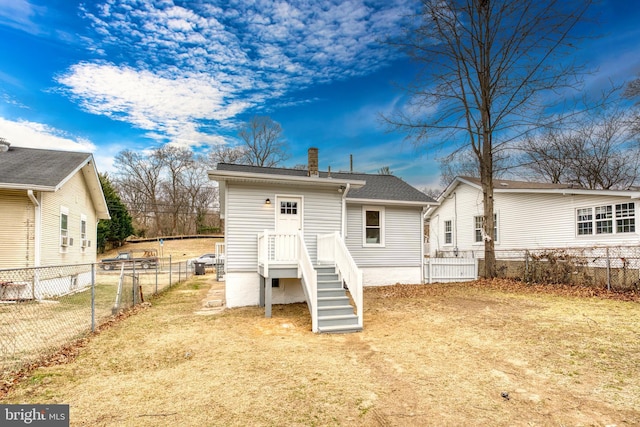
{"type": "Point", "coordinates": [50, 204]}
{"type": "Point", "coordinates": [298, 235]}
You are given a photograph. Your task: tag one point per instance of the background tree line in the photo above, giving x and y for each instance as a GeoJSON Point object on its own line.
{"type": "Point", "coordinates": [166, 191]}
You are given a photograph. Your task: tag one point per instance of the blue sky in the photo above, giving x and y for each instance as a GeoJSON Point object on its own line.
{"type": "Point", "coordinates": [103, 76]}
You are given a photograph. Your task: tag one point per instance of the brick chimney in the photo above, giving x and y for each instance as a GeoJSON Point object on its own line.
{"type": "Point", "coordinates": [313, 162]}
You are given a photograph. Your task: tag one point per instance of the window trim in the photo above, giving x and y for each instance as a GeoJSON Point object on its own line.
{"type": "Point", "coordinates": [84, 241]}
{"type": "Point", "coordinates": [381, 226]}
{"type": "Point", "coordinates": [616, 214]}
{"type": "Point", "coordinates": [64, 232]}
{"type": "Point", "coordinates": [450, 232]}
{"type": "Point", "coordinates": [496, 230]}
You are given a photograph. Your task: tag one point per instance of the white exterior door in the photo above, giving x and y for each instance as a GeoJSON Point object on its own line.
{"type": "Point", "coordinates": [288, 223]}
{"type": "Point", "coordinates": [289, 215]}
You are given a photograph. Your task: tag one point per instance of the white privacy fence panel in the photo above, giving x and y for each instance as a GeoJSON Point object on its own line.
{"type": "Point", "coordinates": [450, 269]}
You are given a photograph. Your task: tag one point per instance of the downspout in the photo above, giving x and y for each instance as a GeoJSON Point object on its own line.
{"type": "Point", "coordinates": [344, 210]}
{"type": "Point", "coordinates": [456, 250]}
{"type": "Point", "coordinates": [37, 227]}
{"type": "Point", "coordinates": [425, 209]}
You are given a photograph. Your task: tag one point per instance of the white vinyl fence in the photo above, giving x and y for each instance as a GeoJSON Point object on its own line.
{"type": "Point", "coordinates": [450, 269]}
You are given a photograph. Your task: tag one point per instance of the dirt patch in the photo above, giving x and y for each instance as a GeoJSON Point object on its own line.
{"type": "Point", "coordinates": [460, 354]}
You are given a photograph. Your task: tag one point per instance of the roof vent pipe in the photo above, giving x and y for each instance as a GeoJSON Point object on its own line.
{"type": "Point", "coordinates": [4, 145]}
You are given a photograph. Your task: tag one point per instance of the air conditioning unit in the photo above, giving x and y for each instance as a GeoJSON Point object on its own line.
{"type": "Point", "coordinates": [64, 241]}
{"type": "Point", "coordinates": [86, 243]}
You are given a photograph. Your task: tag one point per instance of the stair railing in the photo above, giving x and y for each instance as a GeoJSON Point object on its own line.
{"type": "Point", "coordinates": [332, 249]}
{"type": "Point", "coordinates": [309, 278]}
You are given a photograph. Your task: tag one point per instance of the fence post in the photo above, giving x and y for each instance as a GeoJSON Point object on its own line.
{"type": "Point", "coordinates": [157, 277]}
{"type": "Point", "coordinates": [170, 268]}
{"type": "Point", "coordinates": [608, 269]}
{"type": "Point", "coordinates": [133, 285]}
{"type": "Point", "coordinates": [526, 266]}
{"type": "Point", "coordinates": [93, 297]}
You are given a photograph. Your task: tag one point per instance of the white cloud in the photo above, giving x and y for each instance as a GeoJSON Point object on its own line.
{"type": "Point", "coordinates": [181, 65]}
{"type": "Point", "coordinates": [148, 100]}
{"type": "Point", "coordinates": [19, 14]}
{"type": "Point", "coordinates": [37, 135]}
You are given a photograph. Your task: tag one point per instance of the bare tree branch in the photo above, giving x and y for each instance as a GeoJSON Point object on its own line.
{"type": "Point", "coordinates": [489, 67]}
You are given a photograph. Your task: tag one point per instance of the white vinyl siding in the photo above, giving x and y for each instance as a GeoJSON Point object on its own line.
{"type": "Point", "coordinates": [403, 240]}
{"type": "Point", "coordinates": [247, 215]}
{"type": "Point", "coordinates": [17, 227]}
{"type": "Point", "coordinates": [529, 220]}
{"type": "Point", "coordinates": [74, 195]}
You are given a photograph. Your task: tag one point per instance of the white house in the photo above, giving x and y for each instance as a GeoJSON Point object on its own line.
{"type": "Point", "coordinates": [50, 204]}
{"type": "Point", "coordinates": [531, 215]}
{"type": "Point", "coordinates": [298, 235]}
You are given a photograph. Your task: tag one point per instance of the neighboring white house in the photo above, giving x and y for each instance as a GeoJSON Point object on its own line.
{"type": "Point", "coordinates": [50, 204]}
{"type": "Point", "coordinates": [531, 215]}
{"type": "Point", "coordinates": [286, 223]}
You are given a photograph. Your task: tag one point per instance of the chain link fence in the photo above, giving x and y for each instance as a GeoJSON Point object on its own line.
{"type": "Point", "coordinates": [44, 308]}
{"type": "Point", "coordinates": [611, 267]}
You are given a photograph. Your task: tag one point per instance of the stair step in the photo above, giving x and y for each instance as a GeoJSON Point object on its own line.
{"type": "Point", "coordinates": [335, 310]}
{"type": "Point", "coordinates": [328, 277]}
{"type": "Point", "coordinates": [329, 284]}
{"type": "Point", "coordinates": [333, 292]}
{"type": "Point", "coordinates": [346, 320]}
{"type": "Point", "coordinates": [332, 301]}
{"type": "Point", "coordinates": [339, 329]}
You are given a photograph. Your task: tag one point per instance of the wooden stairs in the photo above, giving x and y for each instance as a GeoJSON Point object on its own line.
{"type": "Point", "coordinates": [336, 313]}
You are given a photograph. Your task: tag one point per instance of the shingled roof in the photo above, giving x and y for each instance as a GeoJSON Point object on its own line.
{"type": "Point", "coordinates": [377, 187]}
{"type": "Point", "coordinates": [508, 186]}
{"type": "Point", "coordinates": [47, 170]}
{"type": "Point", "coordinates": [42, 169]}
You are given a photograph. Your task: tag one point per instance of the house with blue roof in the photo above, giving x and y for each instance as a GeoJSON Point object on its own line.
{"type": "Point", "coordinates": [295, 235]}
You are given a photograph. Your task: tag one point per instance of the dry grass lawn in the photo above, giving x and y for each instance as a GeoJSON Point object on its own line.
{"type": "Point", "coordinates": [178, 249]}
{"type": "Point", "coordinates": [429, 355]}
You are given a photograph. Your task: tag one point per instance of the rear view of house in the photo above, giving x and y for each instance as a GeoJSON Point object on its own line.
{"type": "Point", "coordinates": [50, 204]}
{"type": "Point", "coordinates": [300, 235]}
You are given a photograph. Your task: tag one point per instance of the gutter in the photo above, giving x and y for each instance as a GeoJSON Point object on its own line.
{"type": "Point", "coordinates": [38, 227]}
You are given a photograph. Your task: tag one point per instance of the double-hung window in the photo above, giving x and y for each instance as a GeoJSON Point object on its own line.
{"type": "Point", "coordinates": [373, 222]}
{"type": "Point", "coordinates": [64, 226]}
{"type": "Point", "coordinates": [83, 231]}
{"type": "Point", "coordinates": [606, 219]}
{"type": "Point", "coordinates": [625, 218]}
{"type": "Point", "coordinates": [448, 232]}
{"type": "Point", "coordinates": [478, 222]}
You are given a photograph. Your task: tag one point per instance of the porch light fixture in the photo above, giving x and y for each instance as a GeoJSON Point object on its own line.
{"type": "Point", "coordinates": [267, 202]}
